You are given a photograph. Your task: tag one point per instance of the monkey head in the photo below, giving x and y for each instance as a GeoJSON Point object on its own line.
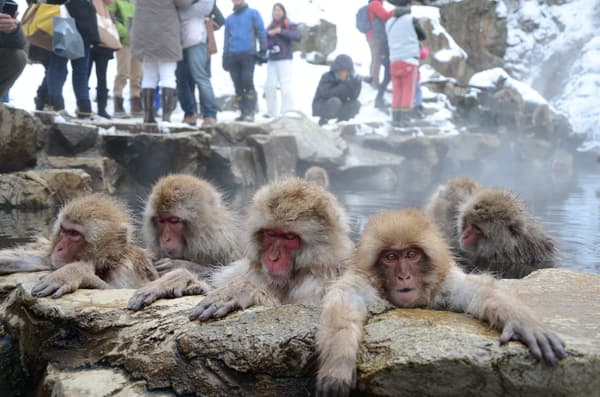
{"type": "Point", "coordinates": [94, 228]}
{"type": "Point", "coordinates": [176, 210]}
{"type": "Point", "coordinates": [317, 175]}
{"type": "Point", "coordinates": [292, 226]}
{"type": "Point", "coordinates": [406, 254]}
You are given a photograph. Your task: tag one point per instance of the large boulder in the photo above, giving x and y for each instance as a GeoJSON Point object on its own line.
{"type": "Point", "coordinates": [317, 42]}
{"type": "Point", "coordinates": [18, 139]}
{"type": "Point", "coordinates": [105, 172]}
{"type": "Point", "coordinates": [42, 188]}
{"type": "Point", "coordinates": [270, 351]}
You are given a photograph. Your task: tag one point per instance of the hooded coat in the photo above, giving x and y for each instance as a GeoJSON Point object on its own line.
{"type": "Point", "coordinates": [331, 86]}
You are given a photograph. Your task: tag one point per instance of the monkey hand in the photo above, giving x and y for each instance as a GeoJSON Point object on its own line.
{"type": "Point", "coordinates": [542, 343]}
{"type": "Point", "coordinates": [334, 387]}
{"type": "Point", "coordinates": [237, 295]}
{"type": "Point", "coordinates": [67, 279]}
{"type": "Point", "coordinates": [175, 284]}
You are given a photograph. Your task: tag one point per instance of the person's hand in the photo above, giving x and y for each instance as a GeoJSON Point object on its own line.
{"type": "Point", "coordinates": [8, 24]}
{"type": "Point", "coordinates": [262, 57]}
{"type": "Point", "coordinates": [274, 31]}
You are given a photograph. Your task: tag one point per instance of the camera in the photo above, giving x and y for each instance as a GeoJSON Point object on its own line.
{"type": "Point", "coordinates": [10, 8]}
{"type": "Point", "coordinates": [275, 49]}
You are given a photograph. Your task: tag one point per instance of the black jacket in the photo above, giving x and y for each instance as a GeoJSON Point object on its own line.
{"type": "Point", "coordinates": [14, 39]}
{"type": "Point", "coordinates": [84, 14]}
{"type": "Point", "coordinates": [330, 86]}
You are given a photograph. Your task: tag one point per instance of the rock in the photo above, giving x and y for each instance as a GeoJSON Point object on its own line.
{"type": "Point", "coordinates": [278, 155]}
{"type": "Point", "coordinates": [317, 41]}
{"type": "Point", "coordinates": [270, 351]}
{"type": "Point", "coordinates": [105, 172]}
{"type": "Point", "coordinates": [472, 147]}
{"type": "Point", "coordinates": [235, 166]}
{"type": "Point", "coordinates": [18, 139]}
{"type": "Point", "coordinates": [315, 144]}
{"type": "Point", "coordinates": [146, 157]}
{"type": "Point", "coordinates": [20, 225]}
{"type": "Point", "coordinates": [69, 139]}
{"type": "Point", "coordinates": [42, 188]}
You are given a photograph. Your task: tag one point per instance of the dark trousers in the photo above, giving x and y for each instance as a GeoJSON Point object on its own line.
{"type": "Point", "coordinates": [12, 63]}
{"type": "Point", "coordinates": [334, 108]}
{"type": "Point", "coordinates": [241, 70]}
{"type": "Point", "coordinates": [100, 58]}
{"type": "Point", "coordinates": [387, 77]}
{"type": "Point", "coordinates": [56, 75]}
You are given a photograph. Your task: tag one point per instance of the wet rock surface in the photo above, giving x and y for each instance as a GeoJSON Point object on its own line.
{"type": "Point", "coordinates": [87, 336]}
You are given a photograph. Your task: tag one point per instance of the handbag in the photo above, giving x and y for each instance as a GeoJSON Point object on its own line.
{"type": "Point", "coordinates": [66, 40]}
{"type": "Point", "coordinates": [109, 36]}
{"type": "Point", "coordinates": [37, 24]}
{"type": "Point", "coordinates": [210, 35]}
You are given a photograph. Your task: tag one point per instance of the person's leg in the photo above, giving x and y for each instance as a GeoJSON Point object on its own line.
{"type": "Point", "coordinates": [348, 110]}
{"type": "Point", "coordinates": [379, 101]}
{"type": "Point", "coordinates": [12, 63]}
{"type": "Point", "coordinates": [56, 76]}
{"type": "Point", "coordinates": [271, 88]}
{"type": "Point", "coordinates": [331, 110]}
{"type": "Point", "coordinates": [102, 85]}
{"type": "Point", "coordinates": [235, 71]}
{"type": "Point", "coordinates": [185, 93]}
{"type": "Point", "coordinates": [149, 83]}
{"type": "Point", "coordinates": [197, 62]}
{"type": "Point", "coordinates": [285, 85]}
{"type": "Point", "coordinates": [135, 79]}
{"type": "Point", "coordinates": [247, 83]}
{"type": "Point", "coordinates": [80, 78]}
{"type": "Point", "coordinates": [123, 59]}
{"type": "Point", "coordinates": [374, 46]}
{"type": "Point", "coordinates": [168, 88]}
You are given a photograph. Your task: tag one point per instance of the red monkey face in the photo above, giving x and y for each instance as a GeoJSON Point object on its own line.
{"type": "Point", "coordinates": [470, 236]}
{"type": "Point", "coordinates": [70, 243]}
{"type": "Point", "coordinates": [170, 235]}
{"type": "Point", "coordinates": [402, 276]}
{"type": "Point", "coordinates": [279, 248]}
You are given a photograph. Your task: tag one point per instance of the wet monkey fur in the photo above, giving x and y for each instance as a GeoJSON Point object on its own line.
{"type": "Point", "coordinates": [403, 261]}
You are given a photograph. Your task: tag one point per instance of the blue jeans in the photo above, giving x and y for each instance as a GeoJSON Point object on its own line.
{"type": "Point", "coordinates": [193, 69]}
{"type": "Point", "coordinates": [57, 74]}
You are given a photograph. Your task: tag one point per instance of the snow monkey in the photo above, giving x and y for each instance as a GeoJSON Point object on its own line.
{"type": "Point", "coordinates": [298, 242]}
{"type": "Point", "coordinates": [402, 260]}
{"type": "Point", "coordinates": [91, 246]}
{"type": "Point", "coordinates": [490, 230]}
{"type": "Point", "coordinates": [189, 230]}
{"type": "Point", "coordinates": [317, 175]}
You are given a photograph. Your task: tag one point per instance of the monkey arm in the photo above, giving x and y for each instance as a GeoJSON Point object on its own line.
{"type": "Point", "coordinates": [345, 309]}
{"type": "Point", "coordinates": [174, 284]}
{"type": "Point", "coordinates": [68, 278]}
{"type": "Point", "coordinates": [28, 258]}
{"type": "Point", "coordinates": [166, 265]}
{"type": "Point", "coordinates": [235, 295]}
{"type": "Point", "coordinates": [482, 297]}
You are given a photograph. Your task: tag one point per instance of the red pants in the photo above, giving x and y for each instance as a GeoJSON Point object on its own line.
{"type": "Point", "coordinates": [404, 83]}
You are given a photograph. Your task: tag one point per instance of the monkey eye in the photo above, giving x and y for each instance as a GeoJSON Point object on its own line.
{"type": "Point", "coordinates": [270, 233]}
{"type": "Point", "coordinates": [290, 236]}
{"type": "Point", "coordinates": [411, 254]}
{"type": "Point", "coordinates": [174, 220]}
{"type": "Point", "coordinates": [390, 256]}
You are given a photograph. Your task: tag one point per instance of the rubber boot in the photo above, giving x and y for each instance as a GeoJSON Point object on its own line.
{"type": "Point", "coordinates": [148, 102]}
{"type": "Point", "coordinates": [102, 99]}
{"type": "Point", "coordinates": [119, 110]}
{"type": "Point", "coordinates": [135, 107]}
{"type": "Point", "coordinates": [169, 102]}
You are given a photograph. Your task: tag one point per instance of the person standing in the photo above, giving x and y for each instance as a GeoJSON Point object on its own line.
{"type": "Point", "coordinates": [195, 64]}
{"type": "Point", "coordinates": [280, 34]}
{"type": "Point", "coordinates": [13, 57]}
{"type": "Point", "coordinates": [376, 37]}
{"type": "Point", "coordinates": [337, 93]}
{"type": "Point", "coordinates": [128, 67]}
{"type": "Point", "coordinates": [243, 29]}
{"type": "Point", "coordinates": [404, 33]}
{"type": "Point", "coordinates": [156, 40]}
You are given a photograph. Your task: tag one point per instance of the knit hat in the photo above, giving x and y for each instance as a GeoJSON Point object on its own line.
{"type": "Point", "coordinates": [399, 3]}
{"type": "Point", "coordinates": [342, 62]}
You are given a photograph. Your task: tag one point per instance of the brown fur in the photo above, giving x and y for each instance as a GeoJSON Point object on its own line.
{"type": "Point", "coordinates": [444, 286]}
{"type": "Point", "coordinates": [297, 206]}
{"type": "Point", "coordinates": [317, 175]}
{"type": "Point", "coordinates": [108, 258]}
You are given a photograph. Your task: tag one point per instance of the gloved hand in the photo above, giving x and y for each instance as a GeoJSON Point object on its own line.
{"type": "Point", "coordinates": [262, 57]}
{"type": "Point", "coordinates": [424, 53]}
{"type": "Point", "coordinates": [225, 63]}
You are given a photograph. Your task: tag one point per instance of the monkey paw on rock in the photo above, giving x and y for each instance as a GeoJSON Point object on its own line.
{"type": "Point", "coordinates": [542, 343]}
{"type": "Point", "coordinates": [67, 279]}
{"type": "Point", "coordinates": [214, 305]}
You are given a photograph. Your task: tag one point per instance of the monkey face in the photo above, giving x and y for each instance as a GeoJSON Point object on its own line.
{"type": "Point", "coordinates": [470, 237]}
{"type": "Point", "coordinates": [70, 244]}
{"type": "Point", "coordinates": [170, 230]}
{"type": "Point", "coordinates": [400, 269]}
{"type": "Point", "coordinates": [279, 248]}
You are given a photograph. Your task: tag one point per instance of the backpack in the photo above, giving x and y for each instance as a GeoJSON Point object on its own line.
{"type": "Point", "coordinates": [362, 19]}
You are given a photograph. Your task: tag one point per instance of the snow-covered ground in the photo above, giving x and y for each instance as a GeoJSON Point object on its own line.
{"type": "Point", "coordinates": [560, 57]}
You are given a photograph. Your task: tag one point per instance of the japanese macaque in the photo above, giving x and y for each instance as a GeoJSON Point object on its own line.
{"type": "Point", "coordinates": [403, 261]}
{"type": "Point", "coordinates": [490, 230]}
{"type": "Point", "coordinates": [317, 175]}
{"type": "Point", "coordinates": [91, 247]}
{"type": "Point", "coordinates": [298, 242]}
{"type": "Point", "coordinates": [190, 231]}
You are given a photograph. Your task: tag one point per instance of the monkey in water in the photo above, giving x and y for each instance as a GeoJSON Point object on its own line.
{"type": "Point", "coordinates": [297, 243]}
{"type": "Point", "coordinates": [190, 231]}
{"type": "Point", "coordinates": [317, 175]}
{"type": "Point", "coordinates": [403, 261]}
{"type": "Point", "coordinates": [490, 230]}
{"type": "Point", "coordinates": [91, 246]}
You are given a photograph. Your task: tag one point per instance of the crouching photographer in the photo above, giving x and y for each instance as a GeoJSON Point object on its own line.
{"type": "Point", "coordinates": [12, 43]}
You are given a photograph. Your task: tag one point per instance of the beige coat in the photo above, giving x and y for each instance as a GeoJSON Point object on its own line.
{"type": "Point", "coordinates": [156, 34]}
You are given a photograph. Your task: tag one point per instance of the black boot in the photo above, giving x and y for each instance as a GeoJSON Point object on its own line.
{"type": "Point", "coordinates": [101, 99]}
{"type": "Point", "coordinates": [148, 102]}
{"type": "Point", "coordinates": [398, 118]}
{"type": "Point", "coordinates": [84, 109]}
{"type": "Point", "coordinates": [169, 102]}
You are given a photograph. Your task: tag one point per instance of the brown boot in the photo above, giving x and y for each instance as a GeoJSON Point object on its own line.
{"type": "Point", "coordinates": [135, 107]}
{"type": "Point", "coordinates": [169, 102]}
{"type": "Point", "coordinates": [148, 99]}
{"type": "Point", "coordinates": [190, 119]}
{"type": "Point", "coordinates": [119, 111]}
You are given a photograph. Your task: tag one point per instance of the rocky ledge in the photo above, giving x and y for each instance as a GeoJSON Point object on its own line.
{"type": "Point", "coordinates": [87, 344]}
